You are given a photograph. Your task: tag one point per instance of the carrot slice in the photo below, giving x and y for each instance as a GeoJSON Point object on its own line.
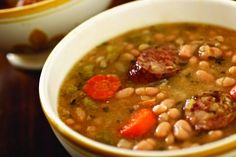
{"type": "Point", "coordinates": [233, 92]}
{"type": "Point", "coordinates": [102, 87]}
{"type": "Point", "coordinates": [140, 123]}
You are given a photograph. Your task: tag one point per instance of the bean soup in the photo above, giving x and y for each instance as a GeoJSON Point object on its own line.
{"type": "Point", "coordinates": [164, 87]}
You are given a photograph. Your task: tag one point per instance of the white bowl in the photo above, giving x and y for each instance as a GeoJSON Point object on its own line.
{"type": "Point", "coordinates": [51, 18]}
{"type": "Point", "coordinates": [112, 23]}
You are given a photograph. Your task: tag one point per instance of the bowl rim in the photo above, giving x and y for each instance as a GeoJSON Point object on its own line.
{"type": "Point", "coordinates": [30, 9]}
{"type": "Point", "coordinates": [220, 146]}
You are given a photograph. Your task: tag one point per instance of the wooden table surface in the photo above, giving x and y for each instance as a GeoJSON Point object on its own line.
{"type": "Point", "coordinates": [24, 130]}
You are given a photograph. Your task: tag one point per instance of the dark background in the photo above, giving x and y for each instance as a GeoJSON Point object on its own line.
{"type": "Point", "coordinates": [24, 130]}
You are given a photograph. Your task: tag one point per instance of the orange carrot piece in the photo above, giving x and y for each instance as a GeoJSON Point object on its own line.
{"type": "Point", "coordinates": [233, 92]}
{"type": "Point", "coordinates": [102, 87]}
{"type": "Point", "coordinates": [140, 123]}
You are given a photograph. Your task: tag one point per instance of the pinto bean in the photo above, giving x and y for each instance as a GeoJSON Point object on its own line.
{"type": "Point", "coordinates": [124, 93]}
{"type": "Point", "coordinates": [182, 130]}
{"type": "Point", "coordinates": [204, 76]}
{"type": "Point", "coordinates": [162, 129]}
{"type": "Point", "coordinates": [147, 144]}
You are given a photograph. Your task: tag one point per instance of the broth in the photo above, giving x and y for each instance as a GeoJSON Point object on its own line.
{"type": "Point", "coordinates": [163, 87]}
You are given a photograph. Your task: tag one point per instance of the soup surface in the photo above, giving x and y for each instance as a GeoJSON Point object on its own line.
{"type": "Point", "coordinates": [16, 3]}
{"type": "Point", "coordinates": [163, 87]}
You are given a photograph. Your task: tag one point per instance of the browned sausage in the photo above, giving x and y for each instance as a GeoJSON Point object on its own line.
{"type": "Point", "coordinates": [210, 110]}
{"type": "Point", "coordinates": [154, 64]}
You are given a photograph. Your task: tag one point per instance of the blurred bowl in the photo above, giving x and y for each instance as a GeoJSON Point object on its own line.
{"type": "Point", "coordinates": [107, 25]}
{"type": "Point", "coordinates": [30, 32]}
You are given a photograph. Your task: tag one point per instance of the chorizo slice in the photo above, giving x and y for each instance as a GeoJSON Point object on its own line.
{"type": "Point", "coordinates": [154, 64]}
{"type": "Point", "coordinates": [210, 110]}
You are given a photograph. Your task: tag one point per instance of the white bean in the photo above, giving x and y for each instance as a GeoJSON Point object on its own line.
{"type": "Point", "coordinates": [123, 143]}
{"type": "Point", "coordinates": [232, 70]}
{"type": "Point", "coordinates": [186, 51]}
{"type": "Point", "coordinates": [147, 144]}
{"type": "Point", "coordinates": [143, 47]}
{"type": "Point", "coordinates": [160, 96]}
{"type": "Point", "coordinates": [173, 147]}
{"type": "Point", "coordinates": [158, 109]}
{"type": "Point", "coordinates": [170, 139]}
{"type": "Point", "coordinates": [174, 113]}
{"type": "Point", "coordinates": [193, 60]}
{"type": "Point", "coordinates": [182, 130]}
{"type": "Point", "coordinates": [127, 57]}
{"type": "Point", "coordinates": [163, 117]}
{"type": "Point", "coordinates": [159, 37]}
{"type": "Point", "coordinates": [204, 65]}
{"type": "Point", "coordinates": [91, 131]}
{"type": "Point", "coordinates": [204, 76]}
{"type": "Point", "coordinates": [162, 129]}
{"type": "Point", "coordinates": [124, 93]}
{"type": "Point", "coordinates": [79, 114]}
{"type": "Point", "coordinates": [225, 81]}
{"type": "Point", "coordinates": [169, 103]}
{"type": "Point", "coordinates": [70, 121]}
{"type": "Point", "coordinates": [134, 52]}
{"type": "Point", "coordinates": [150, 91]}
{"type": "Point", "coordinates": [233, 59]}
{"type": "Point", "coordinates": [215, 135]}
{"type": "Point", "coordinates": [228, 53]}
{"type": "Point", "coordinates": [216, 52]}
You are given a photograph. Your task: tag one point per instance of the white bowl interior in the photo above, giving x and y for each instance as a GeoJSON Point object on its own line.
{"type": "Point", "coordinates": [115, 22]}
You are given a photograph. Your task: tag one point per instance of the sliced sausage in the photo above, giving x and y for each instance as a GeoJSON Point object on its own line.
{"type": "Point", "coordinates": [210, 110]}
{"type": "Point", "coordinates": [154, 64]}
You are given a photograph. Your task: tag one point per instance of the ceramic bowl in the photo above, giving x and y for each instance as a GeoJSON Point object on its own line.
{"type": "Point", "coordinates": [29, 33]}
{"type": "Point", "coordinates": [112, 23]}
